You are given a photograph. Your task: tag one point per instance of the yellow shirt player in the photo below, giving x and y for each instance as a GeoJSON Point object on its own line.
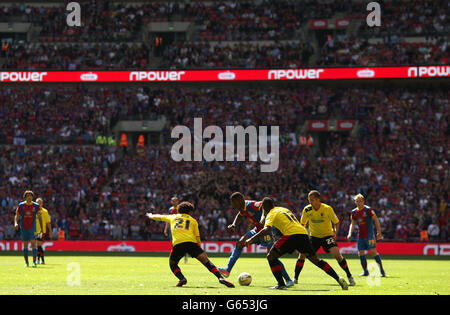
{"type": "Point", "coordinates": [186, 239]}
{"type": "Point", "coordinates": [295, 237]}
{"type": "Point", "coordinates": [42, 232]}
{"type": "Point", "coordinates": [323, 227]}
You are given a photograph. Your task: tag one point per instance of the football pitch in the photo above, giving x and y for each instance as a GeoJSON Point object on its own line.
{"type": "Point", "coordinates": [134, 274]}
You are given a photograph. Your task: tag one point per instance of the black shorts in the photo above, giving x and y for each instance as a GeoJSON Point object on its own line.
{"type": "Point", "coordinates": [179, 250]}
{"type": "Point", "coordinates": [325, 242]}
{"type": "Point", "coordinates": [42, 237]}
{"type": "Point", "coordinates": [290, 243]}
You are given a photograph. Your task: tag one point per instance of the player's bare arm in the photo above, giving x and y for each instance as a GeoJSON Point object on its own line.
{"type": "Point", "coordinates": [377, 226]}
{"type": "Point", "coordinates": [49, 229]}
{"type": "Point", "coordinates": [350, 230]}
{"type": "Point", "coordinates": [266, 230]}
{"type": "Point", "coordinates": [166, 227]}
{"type": "Point", "coordinates": [39, 215]}
{"type": "Point", "coordinates": [336, 230]}
{"type": "Point", "coordinates": [232, 226]}
{"type": "Point", "coordinates": [16, 220]}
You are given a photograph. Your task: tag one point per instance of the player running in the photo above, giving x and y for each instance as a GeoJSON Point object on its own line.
{"type": "Point", "coordinates": [323, 228]}
{"type": "Point", "coordinates": [186, 239]}
{"type": "Point", "coordinates": [252, 210]}
{"type": "Point", "coordinates": [42, 233]}
{"type": "Point", "coordinates": [295, 237]}
{"type": "Point", "coordinates": [365, 218]}
{"type": "Point", "coordinates": [25, 220]}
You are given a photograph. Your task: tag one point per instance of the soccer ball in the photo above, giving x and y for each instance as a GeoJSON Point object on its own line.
{"type": "Point", "coordinates": [245, 278]}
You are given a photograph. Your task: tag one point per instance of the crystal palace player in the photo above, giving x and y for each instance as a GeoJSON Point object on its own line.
{"type": "Point", "coordinates": [252, 210]}
{"type": "Point", "coordinates": [320, 218]}
{"type": "Point", "coordinates": [365, 218]}
{"type": "Point", "coordinates": [295, 237]}
{"type": "Point", "coordinates": [186, 239]}
{"type": "Point", "coordinates": [25, 219]}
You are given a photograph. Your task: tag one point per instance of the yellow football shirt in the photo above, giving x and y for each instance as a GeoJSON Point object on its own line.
{"type": "Point", "coordinates": [319, 220]}
{"type": "Point", "coordinates": [184, 227]}
{"type": "Point", "coordinates": [285, 221]}
{"type": "Point", "coordinates": [45, 220]}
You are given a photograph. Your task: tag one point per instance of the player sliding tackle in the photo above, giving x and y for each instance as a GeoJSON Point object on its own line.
{"type": "Point", "coordinates": [186, 239]}
{"type": "Point", "coordinates": [295, 237]}
{"type": "Point", "coordinates": [251, 210]}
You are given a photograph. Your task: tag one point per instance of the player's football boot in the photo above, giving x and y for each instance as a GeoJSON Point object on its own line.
{"type": "Point", "coordinates": [224, 272]}
{"type": "Point", "coordinates": [289, 283]}
{"type": "Point", "coordinates": [26, 265]}
{"type": "Point", "coordinates": [182, 282]}
{"type": "Point", "coordinates": [227, 283]}
{"type": "Point", "coordinates": [364, 274]}
{"type": "Point", "coordinates": [295, 281]}
{"type": "Point", "coordinates": [342, 283]}
{"type": "Point", "coordinates": [383, 274]}
{"type": "Point", "coordinates": [34, 264]}
{"type": "Point", "coordinates": [351, 281]}
{"type": "Point", "coordinates": [278, 287]}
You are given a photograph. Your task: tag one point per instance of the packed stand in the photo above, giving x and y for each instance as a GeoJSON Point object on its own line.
{"type": "Point", "coordinates": [359, 52]}
{"type": "Point", "coordinates": [71, 56]}
{"type": "Point", "coordinates": [68, 178]}
{"type": "Point", "coordinates": [390, 158]}
{"type": "Point", "coordinates": [46, 114]}
{"type": "Point", "coordinates": [184, 55]}
{"type": "Point", "coordinates": [402, 18]}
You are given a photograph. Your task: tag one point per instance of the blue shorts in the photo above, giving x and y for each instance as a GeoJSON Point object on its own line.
{"type": "Point", "coordinates": [366, 243]}
{"type": "Point", "coordinates": [27, 235]}
{"type": "Point", "coordinates": [266, 241]}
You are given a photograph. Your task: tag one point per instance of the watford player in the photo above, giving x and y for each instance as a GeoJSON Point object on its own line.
{"type": "Point", "coordinates": [251, 210]}
{"type": "Point", "coordinates": [323, 228]}
{"type": "Point", "coordinates": [295, 237]}
{"type": "Point", "coordinates": [186, 239]}
{"type": "Point", "coordinates": [42, 232]}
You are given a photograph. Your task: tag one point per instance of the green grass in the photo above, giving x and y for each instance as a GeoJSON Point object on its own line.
{"type": "Point", "coordinates": [137, 274]}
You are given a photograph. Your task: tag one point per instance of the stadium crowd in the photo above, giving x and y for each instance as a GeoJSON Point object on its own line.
{"type": "Point", "coordinates": [92, 193]}
{"type": "Point", "coordinates": [360, 52]}
{"type": "Point", "coordinates": [193, 55]}
{"type": "Point", "coordinates": [50, 116]}
{"type": "Point", "coordinates": [63, 47]}
{"type": "Point", "coordinates": [72, 56]}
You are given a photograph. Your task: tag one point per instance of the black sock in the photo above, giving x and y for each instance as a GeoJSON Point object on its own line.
{"type": "Point", "coordinates": [299, 267]}
{"type": "Point", "coordinates": [177, 271]}
{"type": "Point", "coordinates": [276, 270]}
{"type": "Point", "coordinates": [213, 269]}
{"type": "Point", "coordinates": [344, 266]}
{"type": "Point", "coordinates": [40, 253]}
{"type": "Point", "coordinates": [327, 268]}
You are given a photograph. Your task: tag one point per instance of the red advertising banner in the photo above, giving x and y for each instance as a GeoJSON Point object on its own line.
{"type": "Point", "coordinates": [225, 75]}
{"type": "Point", "coordinates": [342, 23]}
{"type": "Point", "coordinates": [441, 249]}
{"type": "Point", "coordinates": [344, 125]}
{"type": "Point", "coordinates": [318, 125]}
{"type": "Point", "coordinates": [319, 24]}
